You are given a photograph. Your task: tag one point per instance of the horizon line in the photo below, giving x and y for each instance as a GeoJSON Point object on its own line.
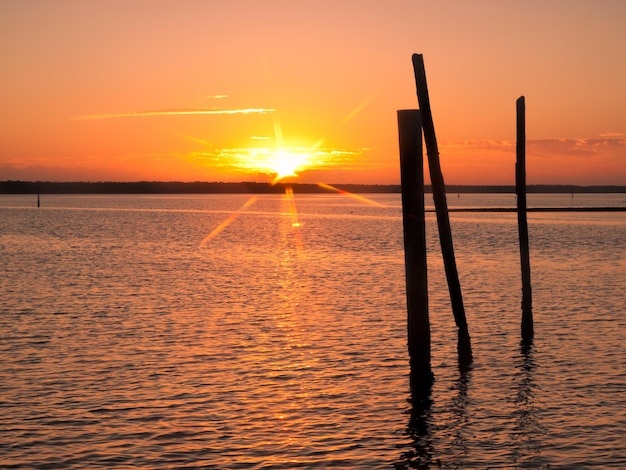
{"type": "Point", "coordinates": [248, 187]}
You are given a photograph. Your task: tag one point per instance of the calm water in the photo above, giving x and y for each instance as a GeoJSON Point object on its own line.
{"type": "Point", "coordinates": [133, 335]}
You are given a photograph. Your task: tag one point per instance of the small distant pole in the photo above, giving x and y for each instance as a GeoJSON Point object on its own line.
{"type": "Point", "coordinates": [441, 208]}
{"type": "Point", "coordinates": [38, 203]}
{"type": "Point", "coordinates": [520, 190]}
{"type": "Point", "coordinates": [414, 224]}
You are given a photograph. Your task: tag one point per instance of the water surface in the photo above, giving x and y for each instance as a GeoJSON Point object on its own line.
{"type": "Point", "coordinates": [127, 342]}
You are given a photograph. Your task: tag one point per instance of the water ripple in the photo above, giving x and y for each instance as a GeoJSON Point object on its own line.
{"type": "Point", "coordinates": [126, 345]}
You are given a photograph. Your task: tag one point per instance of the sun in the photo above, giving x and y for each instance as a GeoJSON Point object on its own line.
{"type": "Point", "coordinates": [279, 162]}
{"type": "Point", "coordinates": [286, 163]}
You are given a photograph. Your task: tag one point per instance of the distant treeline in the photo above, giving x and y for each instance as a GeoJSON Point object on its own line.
{"type": "Point", "coordinates": [155, 187]}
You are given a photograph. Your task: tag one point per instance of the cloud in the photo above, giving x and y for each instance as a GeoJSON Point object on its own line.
{"type": "Point", "coordinates": [613, 134]}
{"type": "Point", "coordinates": [606, 144]}
{"type": "Point", "coordinates": [474, 145]}
{"type": "Point", "coordinates": [321, 156]}
{"type": "Point", "coordinates": [596, 160]}
{"type": "Point", "coordinates": [264, 160]}
{"type": "Point", "coordinates": [174, 112]}
{"type": "Point", "coordinates": [555, 147]}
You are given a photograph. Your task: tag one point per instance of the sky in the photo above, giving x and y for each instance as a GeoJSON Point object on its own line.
{"type": "Point", "coordinates": [308, 91]}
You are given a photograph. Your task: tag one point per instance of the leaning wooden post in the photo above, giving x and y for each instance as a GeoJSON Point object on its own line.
{"type": "Point", "coordinates": [414, 224]}
{"type": "Point", "coordinates": [441, 207]}
{"type": "Point", "coordinates": [520, 191]}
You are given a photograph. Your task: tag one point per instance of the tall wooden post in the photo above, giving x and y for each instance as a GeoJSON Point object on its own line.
{"type": "Point", "coordinates": [520, 191]}
{"type": "Point", "coordinates": [414, 224]}
{"type": "Point", "coordinates": [441, 207]}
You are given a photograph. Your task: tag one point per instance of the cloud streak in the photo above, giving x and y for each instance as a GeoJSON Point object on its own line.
{"type": "Point", "coordinates": [174, 112]}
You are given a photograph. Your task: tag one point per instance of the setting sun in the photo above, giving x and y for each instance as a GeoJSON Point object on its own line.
{"type": "Point", "coordinates": [282, 163]}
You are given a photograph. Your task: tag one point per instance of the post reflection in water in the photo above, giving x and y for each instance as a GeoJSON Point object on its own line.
{"type": "Point", "coordinates": [424, 432]}
{"type": "Point", "coordinates": [419, 428]}
{"type": "Point", "coordinates": [528, 431]}
{"type": "Point", "coordinates": [460, 403]}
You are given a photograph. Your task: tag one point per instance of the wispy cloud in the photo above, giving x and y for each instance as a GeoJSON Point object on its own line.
{"type": "Point", "coordinates": [577, 147]}
{"type": "Point", "coordinates": [262, 160]}
{"type": "Point", "coordinates": [548, 147]}
{"type": "Point", "coordinates": [174, 112]}
{"type": "Point", "coordinates": [194, 139]}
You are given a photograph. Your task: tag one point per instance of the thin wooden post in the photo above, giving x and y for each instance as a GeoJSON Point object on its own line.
{"type": "Point", "coordinates": [520, 191]}
{"type": "Point", "coordinates": [441, 207]}
{"type": "Point", "coordinates": [414, 225]}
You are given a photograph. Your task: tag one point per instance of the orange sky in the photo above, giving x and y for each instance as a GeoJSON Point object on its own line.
{"type": "Point", "coordinates": [237, 90]}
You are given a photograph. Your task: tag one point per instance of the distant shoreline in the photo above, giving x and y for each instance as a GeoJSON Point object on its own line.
{"type": "Point", "coordinates": [156, 187]}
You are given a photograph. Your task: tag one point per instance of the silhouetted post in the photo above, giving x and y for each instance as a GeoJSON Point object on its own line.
{"type": "Point", "coordinates": [520, 191]}
{"type": "Point", "coordinates": [441, 207]}
{"type": "Point", "coordinates": [414, 224]}
{"type": "Point", "coordinates": [38, 196]}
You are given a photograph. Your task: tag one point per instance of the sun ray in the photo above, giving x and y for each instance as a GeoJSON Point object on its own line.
{"type": "Point", "coordinates": [357, 110]}
{"type": "Point", "coordinates": [278, 133]}
{"type": "Point", "coordinates": [349, 194]}
{"type": "Point", "coordinates": [226, 222]}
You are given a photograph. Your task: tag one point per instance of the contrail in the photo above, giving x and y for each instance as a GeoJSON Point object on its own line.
{"type": "Point", "coordinates": [175, 112]}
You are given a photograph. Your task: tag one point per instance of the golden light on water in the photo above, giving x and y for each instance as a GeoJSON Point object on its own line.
{"type": "Point", "coordinates": [293, 213]}
{"type": "Point", "coordinates": [291, 203]}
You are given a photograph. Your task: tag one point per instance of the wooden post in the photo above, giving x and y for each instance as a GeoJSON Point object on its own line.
{"type": "Point", "coordinates": [520, 191]}
{"type": "Point", "coordinates": [441, 207]}
{"type": "Point", "coordinates": [414, 225]}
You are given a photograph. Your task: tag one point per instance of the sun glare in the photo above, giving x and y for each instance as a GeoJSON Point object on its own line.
{"type": "Point", "coordinates": [287, 163]}
{"type": "Point", "coordinates": [277, 163]}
